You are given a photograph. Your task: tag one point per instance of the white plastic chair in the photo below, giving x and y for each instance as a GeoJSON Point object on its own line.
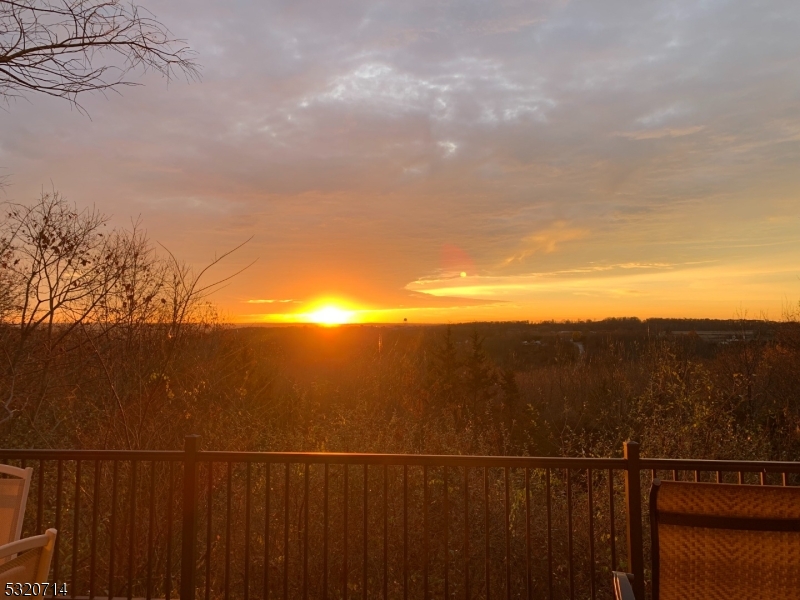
{"type": "Point", "coordinates": [14, 488]}
{"type": "Point", "coordinates": [31, 565]}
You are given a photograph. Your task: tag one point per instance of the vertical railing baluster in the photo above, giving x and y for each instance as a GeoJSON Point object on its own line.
{"type": "Point", "coordinates": [150, 530]}
{"type": "Point", "coordinates": [528, 582]}
{"type": "Point", "coordinates": [325, 535]}
{"type": "Point", "coordinates": [305, 532]}
{"type": "Point", "coordinates": [425, 549]}
{"type": "Point", "coordinates": [189, 523]}
{"type": "Point", "coordinates": [59, 491]}
{"type": "Point", "coordinates": [112, 528]}
{"type": "Point", "coordinates": [405, 532]}
{"type": "Point", "coordinates": [209, 524]}
{"type": "Point", "coordinates": [590, 502]}
{"type": "Point", "coordinates": [466, 533]}
{"type": "Point", "coordinates": [762, 477]}
{"type": "Point", "coordinates": [385, 532]}
{"type": "Point", "coordinates": [286, 533]}
{"type": "Point", "coordinates": [549, 507]}
{"type": "Point", "coordinates": [267, 520]}
{"type": "Point", "coordinates": [228, 494]}
{"type": "Point", "coordinates": [446, 534]}
{"type": "Point", "coordinates": [132, 528]}
{"type": "Point", "coordinates": [366, 531]}
{"type": "Point", "coordinates": [95, 515]}
{"type": "Point", "coordinates": [170, 503]}
{"type": "Point", "coordinates": [76, 527]}
{"type": "Point", "coordinates": [487, 550]}
{"type": "Point", "coordinates": [719, 476]}
{"type": "Point", "coordinates": [40, 499]}
{"type": "Point", "coordinates": [344, 518]}
{"type": "Point", "coordinates": [571, 567]}
{"type": "Point", "coordinates": [248, 492]}
{"type": "Point", "coordinates": [612, 521]}
{"type": "Point", "coordinates": [784, 479]}
{"type": "Point", "coordinates": [508, 536]}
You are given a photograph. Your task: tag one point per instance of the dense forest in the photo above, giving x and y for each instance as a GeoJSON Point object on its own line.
{"type": "Point", "coordinates": [108, 344]}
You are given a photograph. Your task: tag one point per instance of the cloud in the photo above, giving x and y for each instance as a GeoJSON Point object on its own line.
{"type": "Point", "coordinates": [652, 134]}
{"type": "Point", "coordinates": [652, 287]}
{"type": "Point", "coordinates": [449, 148]}
{"type": "Point", "coordinates": [546, 241]}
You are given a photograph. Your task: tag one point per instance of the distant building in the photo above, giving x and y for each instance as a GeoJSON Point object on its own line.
{"type": "Point", "coordinates": [721, 337]}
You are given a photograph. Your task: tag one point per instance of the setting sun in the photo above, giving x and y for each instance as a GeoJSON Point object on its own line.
{"type": "Point", "coordinates": [330, 315]}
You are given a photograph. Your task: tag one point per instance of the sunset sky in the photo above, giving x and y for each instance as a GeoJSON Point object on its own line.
{"type": "Point", "coordinates": [454, 161]}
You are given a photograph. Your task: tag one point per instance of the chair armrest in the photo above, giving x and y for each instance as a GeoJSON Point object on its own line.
{"type": "Point", "coordinates": [622, 586]}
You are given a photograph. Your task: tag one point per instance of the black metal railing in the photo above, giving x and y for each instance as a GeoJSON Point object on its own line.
{"type": "Point", "coordinates": [206, 525]}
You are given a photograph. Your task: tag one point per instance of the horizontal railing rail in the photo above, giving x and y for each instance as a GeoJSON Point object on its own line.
{"type": "Point", "coordinates": [440, 460]}
{"type": "Point", "coordinates": [203, 525]}
{"type": "Point", "coordinates": [681, 464]}
{"type": "Point", "coordinates": [138, 455]}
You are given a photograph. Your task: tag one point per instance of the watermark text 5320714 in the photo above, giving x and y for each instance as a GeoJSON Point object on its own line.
{"type": "Point", "coordinates": [36, 589]}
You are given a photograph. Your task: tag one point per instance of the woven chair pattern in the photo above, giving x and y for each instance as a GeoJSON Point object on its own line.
{"type": "Point", "coordinates": [11, 491]}
{"type": "Point", "coordinates": [23, 568]}
{"type": "Point", "coordinates": [725, 563]}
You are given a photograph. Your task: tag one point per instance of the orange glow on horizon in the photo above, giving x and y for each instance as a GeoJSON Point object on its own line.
{"type": "Point", "coordinates": [330, 316]}
{"type": "Point", "coordinates": [327, 312]}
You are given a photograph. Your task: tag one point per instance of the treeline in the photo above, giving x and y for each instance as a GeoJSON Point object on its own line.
{"type": "Point", "coordinates": [652, 326]}
{"type": "Point", "coordinates": [108, 343]}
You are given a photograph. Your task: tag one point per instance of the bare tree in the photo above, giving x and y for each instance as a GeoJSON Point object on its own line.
{"type": "Point", "coordinates": [58, 266]}
{"type": "Point", "coordinates": [66, 47]}
{"type": "Point", "coordinates": [8, 234]}
{"type": "Point", "coordinates": [87, 307]}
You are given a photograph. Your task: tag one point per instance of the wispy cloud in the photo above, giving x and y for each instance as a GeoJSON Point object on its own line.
{"type": "Point", "coordinates": [664, 132]}
{"type": "Point", "coordinates": [546, 240]}
{"type": "Point", "coordinates": [657, 283]}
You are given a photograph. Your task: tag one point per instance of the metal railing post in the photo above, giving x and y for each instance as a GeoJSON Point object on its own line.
{"type": "Point", "coordinates": [189, 529]}
{"type": "Point", "coordinates": [633, 505]}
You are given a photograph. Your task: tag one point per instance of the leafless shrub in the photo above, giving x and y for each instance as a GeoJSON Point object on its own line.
{"type": "Point", "coordinates": [89, 307]}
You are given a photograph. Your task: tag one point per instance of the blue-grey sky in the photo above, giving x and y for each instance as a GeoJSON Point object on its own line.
{"type": "Point", "coordinates": [448, 161]}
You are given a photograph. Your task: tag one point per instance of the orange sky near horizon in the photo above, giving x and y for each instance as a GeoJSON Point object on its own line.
{"type": "Point", "coordinates": [452, 162]}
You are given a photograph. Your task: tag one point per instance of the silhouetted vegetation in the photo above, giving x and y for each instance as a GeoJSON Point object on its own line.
{"type": "Point", "coordinates": [108, 344]}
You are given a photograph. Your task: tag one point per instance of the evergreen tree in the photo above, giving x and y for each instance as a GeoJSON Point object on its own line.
{"type": "Point", "coordinates": [510, 389]}
{"type": "Point", "coordinates": [480, 377]}
{"type": "Point", "coordinates": [444, 383]}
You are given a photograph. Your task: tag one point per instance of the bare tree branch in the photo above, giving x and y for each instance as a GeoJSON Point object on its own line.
{"type": "Point", "coordinates": [64, 48]}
